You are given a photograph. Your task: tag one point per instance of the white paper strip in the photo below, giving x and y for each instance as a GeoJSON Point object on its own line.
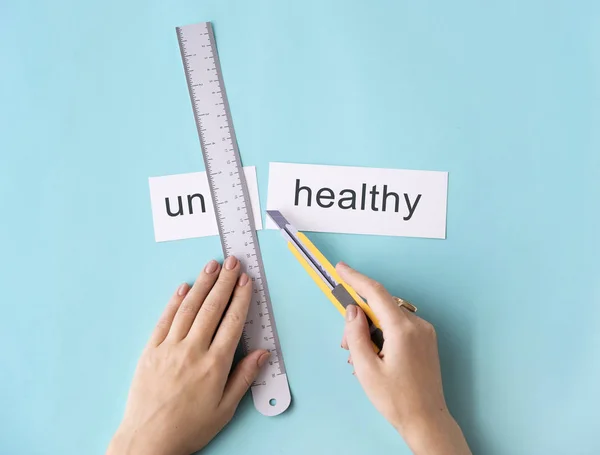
{"type": "Point", "coordinates": [182, 207]}
{"type": "Point", "coordinates": [359, 200]}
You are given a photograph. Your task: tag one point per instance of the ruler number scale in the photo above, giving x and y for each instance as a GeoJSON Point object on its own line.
{"type": "Point", "coordinates": [230, 196]}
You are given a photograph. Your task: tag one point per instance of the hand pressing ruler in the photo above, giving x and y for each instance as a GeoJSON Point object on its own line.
{"type": "Point", "coordinates": [270, 391]}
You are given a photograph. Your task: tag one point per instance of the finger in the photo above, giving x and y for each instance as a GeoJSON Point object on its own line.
{"type": "Point", "coordinates": [350, 359]}
{"type": "Point", "coordinates": [230, 330]}
{"type": "Point", "coordinates": [211, 311]}
{"type": "Point", "coordinates": [378, 298]}
{"type": "Point", "coordinates": [359, 341]}
{"type": "Point", "coordinates": [166, 319]}
{"type": "Point", "coordinates": [242, 378]}
{"type": "Point", "coordinates": [193, 300]}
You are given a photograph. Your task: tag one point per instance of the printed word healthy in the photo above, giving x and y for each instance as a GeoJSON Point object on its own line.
{"type": "Point", "coordinates": [348, 199]}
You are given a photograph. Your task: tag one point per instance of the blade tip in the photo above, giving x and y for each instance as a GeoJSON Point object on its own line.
{"type": "Point", "coordinates": [273, 213]}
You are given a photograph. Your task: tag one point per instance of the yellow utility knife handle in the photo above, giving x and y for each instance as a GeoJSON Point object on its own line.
{"type": "Point", "coordinates": [376, 334]}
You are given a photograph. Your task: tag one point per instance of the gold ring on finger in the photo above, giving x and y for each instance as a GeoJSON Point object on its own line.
{"type": "Point", "coordinates": [405, 303]}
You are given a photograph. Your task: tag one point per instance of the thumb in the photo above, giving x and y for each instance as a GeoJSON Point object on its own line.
{"type": "Point", "coordinates": [358, 339]}
{"type": "Point", "coordinates": [242, 377]}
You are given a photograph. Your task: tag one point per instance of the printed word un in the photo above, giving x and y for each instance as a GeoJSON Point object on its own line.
{"type": "Point", "coordinates": [182, 207]}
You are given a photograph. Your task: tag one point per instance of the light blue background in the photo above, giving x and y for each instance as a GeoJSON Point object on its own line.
{"type": "Point", "coordinates": [503, 95]}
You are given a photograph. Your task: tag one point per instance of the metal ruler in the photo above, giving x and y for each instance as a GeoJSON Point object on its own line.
{"type": "Point", "coordinates": [270, 391]}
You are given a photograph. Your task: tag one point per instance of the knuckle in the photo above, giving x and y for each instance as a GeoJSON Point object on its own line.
{"type": "Point", "coordinates": [429, 328]}
{"type": "Point", "coordinates": [228, 276]}
{"type": "Point", "coordinates": [211, 305]}
{"type": "Point", "coordinates": [243, 293]}
{"type": "Point", "coordinates": [163, 323]}
{"type": "Point", "coordinates": [224, 286]}
{"type": "Point", "coordinates": [397, 325]}
{"type": "Point", "coordinates": [188, 352]}
{"type": "Point", "coordinates": [204, 281]}
{"type": "Point", "coordinates": [147, 359]}
{"type": "Point", "coordinates": [378, 289]}
{"type": "Point", "coordinates": [188, 308]}
{"type": "Point", "coordinates": [408, 328]}
{"type": "Point", "coordinates": [247, 378]}
{"type": "Point", "coordinates": [210, 365]}
{"type": "Point", "coordinates": [228, 413]}
{"type": "Point", "coordinates": [213, 363]}
{"type": "Point", "coordinates": [173, 304]}
{"type": "Point", "coordinates": [377, 286]}
{"type": "Point", "coordinates": [232, 319]}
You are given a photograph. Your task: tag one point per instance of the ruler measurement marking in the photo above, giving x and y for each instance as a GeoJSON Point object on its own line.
{"type": "Point", "coordinates": [225, 178]}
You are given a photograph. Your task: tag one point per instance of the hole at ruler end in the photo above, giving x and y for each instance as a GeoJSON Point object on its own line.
{"type": "Point", "coordinates": [272, 401]}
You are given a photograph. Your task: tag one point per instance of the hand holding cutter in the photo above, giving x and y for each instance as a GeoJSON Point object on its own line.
{"type": "Point", "coordinates": [325, 275]}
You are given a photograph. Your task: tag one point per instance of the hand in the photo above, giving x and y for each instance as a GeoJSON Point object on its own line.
{"type": "Point", "coordinates": [404, 382]}
{"type": "Point", "coordinates": [182, 394]}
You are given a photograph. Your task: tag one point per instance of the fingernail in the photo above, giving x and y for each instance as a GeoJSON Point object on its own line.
{"type": "Point", "coordinates": [231, 262]}
{"type": "Point", "coordinates": [243, 280]}
{"type": "Point", "coordinates": [263, 358]}
{"type": "Point", "coordinates": [343, 264]}
{"type": "Point", "coordinates": [211, 267]}
{"type": "Point", "coordinates": [350, 312]}
{"type": "Point", "coordinates": [183, 289]}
